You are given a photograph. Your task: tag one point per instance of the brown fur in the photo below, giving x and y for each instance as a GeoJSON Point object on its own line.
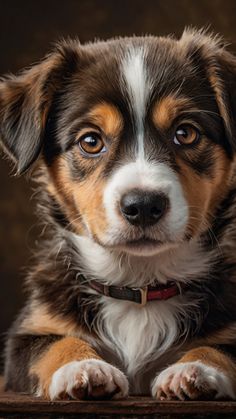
{"type": "Point", "coordinates": [213, 358]}
{"type": "Point", "coordinates": [92, 192]}
{"type": "Point", "coordinates": [108, 118]}
{"type": "Point", "coordinates": [61, 187]}
{"type": "Point", "coordinates": [224, 336]}
{"type": "Point", "coordinates": [87, 196]}
{"type": "Point", "coordinates": [166, 110]}
{"type": "Point", "coordinates": [41, 322]}
{"type": "Point", "coordinates": [60, 353]}
{"type": "Point", "coordinates": [186, 382]}
{"type": "Point", "coordinates": [219, 92]}
{"type": "Point", "coordinates": [209, 356]}
{"type": "Point", "coordinates": [204, 194]}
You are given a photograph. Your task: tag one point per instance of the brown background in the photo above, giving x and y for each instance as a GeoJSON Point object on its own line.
{"type": "Point", "coordinates": [27, 29]}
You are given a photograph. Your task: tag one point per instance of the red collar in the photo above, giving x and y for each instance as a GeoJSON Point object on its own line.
{"type": "Point", "coordinates": [137, 295]}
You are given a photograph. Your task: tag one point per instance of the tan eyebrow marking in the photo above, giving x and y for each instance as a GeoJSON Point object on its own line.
{"type": "Point", "coordinates": [108, 118]}
{"type": "Point", "coordinates": [165, 111]}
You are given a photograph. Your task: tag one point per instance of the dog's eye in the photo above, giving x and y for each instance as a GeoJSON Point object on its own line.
{"type": "Point", "coordinates": [186, 134]}
{"type": "Point", "coordinates": [91, 143]}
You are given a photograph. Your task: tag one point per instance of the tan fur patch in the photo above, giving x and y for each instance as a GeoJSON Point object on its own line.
{"type": "Point", "coordinates": [225, 336]}
{"type": "Point", "coordinates": [108, 118]}
{"type": "Point", "coordinates": [197, 192]}
{"type": "Point", "coordinates": [82, 202]}
{"type": "Point", "coordinates": [166, 110]}
{"type": "Point", "coordinates": [61, 187]}
{"type": "Point", "coordinates": [60, 353]}
{"type": "Point", "coordinates": [42, 322]}
{"type": "Point", "coordinates": [203, 193]}
{"type": "Point", "coordinates": [212, 357]}
{"type": "Point", "coordinates": [92, 192]}
{"type": "Point", "coordinates": [85, 197]}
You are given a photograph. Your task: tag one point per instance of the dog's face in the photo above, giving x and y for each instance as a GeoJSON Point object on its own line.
{"type": "Point", "coordinates": [136, 134]}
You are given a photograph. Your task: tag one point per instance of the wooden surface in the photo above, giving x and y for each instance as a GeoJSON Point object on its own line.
{"type": "Point", "coordinates": [20, 406]}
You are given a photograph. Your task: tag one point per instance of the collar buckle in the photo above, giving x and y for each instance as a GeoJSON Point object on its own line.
{"type": "Point", "coordinates": [143, 294]}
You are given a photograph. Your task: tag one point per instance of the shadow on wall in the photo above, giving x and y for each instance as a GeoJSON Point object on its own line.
{"type": "Point", "coordinates": [27, 30]}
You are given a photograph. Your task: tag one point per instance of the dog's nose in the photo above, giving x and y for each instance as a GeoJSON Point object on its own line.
{"type": "Point", "coordinates": [143, 208]}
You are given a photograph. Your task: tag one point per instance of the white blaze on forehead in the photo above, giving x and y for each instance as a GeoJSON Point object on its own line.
{"type": "Point", "coordinates": [138, 86]}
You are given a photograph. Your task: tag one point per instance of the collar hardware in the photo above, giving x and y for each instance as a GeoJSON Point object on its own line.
{"type": "Point", "coordinates": [143, 296]}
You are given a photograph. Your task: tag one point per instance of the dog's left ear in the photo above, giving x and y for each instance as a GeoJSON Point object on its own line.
{"type": "Point", "coordinates": [25, 101]}
{"type": "Point", "coordinates": [219, 65]}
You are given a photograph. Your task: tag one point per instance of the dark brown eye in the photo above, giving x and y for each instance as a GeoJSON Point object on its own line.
{"type": "Point", "coordinates": [186, 135]}
{"type": "Point", "coordinates": [91, 143]}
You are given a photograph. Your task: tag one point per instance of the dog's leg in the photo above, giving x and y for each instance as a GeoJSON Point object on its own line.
{"type": "Point", "coordinates": [67, 367]}
{"type": "Point", "coordinates": [202, 373]}
{"type": "Point", "coordinates": [71, 368]}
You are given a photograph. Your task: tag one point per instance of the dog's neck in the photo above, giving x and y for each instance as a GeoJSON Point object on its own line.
{"type": "Point", "coordinates": [184, 263]}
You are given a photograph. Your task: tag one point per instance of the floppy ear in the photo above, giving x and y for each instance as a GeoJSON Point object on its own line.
{"type": "Point", "coordinates": [226, 93]}
{"type": "Point", "coordinates": [220, 68]}
{"type": "Point", "coordinates": [25, 102]}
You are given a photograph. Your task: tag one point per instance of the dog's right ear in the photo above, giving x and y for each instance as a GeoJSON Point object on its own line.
{"type": "Point", "coordinates": [25, 101]}
{"type": "Point", "coordinates": [209, 55]}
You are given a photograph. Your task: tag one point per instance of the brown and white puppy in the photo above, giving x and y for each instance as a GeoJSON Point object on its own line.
{"type": "Point", "coordinates": [133, 143]}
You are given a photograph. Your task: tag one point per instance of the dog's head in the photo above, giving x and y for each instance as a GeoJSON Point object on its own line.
{"type": "Point", "coordinates": [137, 135]}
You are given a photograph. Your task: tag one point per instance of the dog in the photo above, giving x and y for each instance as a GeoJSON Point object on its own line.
{"type": "Point", "coordinates": [133, 288]}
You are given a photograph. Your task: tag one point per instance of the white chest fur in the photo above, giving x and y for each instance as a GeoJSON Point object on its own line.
{"type": "Point", "coordinates": [140, 335]}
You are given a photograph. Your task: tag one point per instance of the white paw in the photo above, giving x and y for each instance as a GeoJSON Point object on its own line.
{"type": "Point", "coordinates": [192, 380]}
{"type": "Point", "coordinates": [86, 379]}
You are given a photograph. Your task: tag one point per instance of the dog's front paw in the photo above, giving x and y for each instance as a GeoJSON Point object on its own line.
{"type": "Point", "coordinates": [192, 380]}
{"type": "Point", "coordinates": [88, 379]}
